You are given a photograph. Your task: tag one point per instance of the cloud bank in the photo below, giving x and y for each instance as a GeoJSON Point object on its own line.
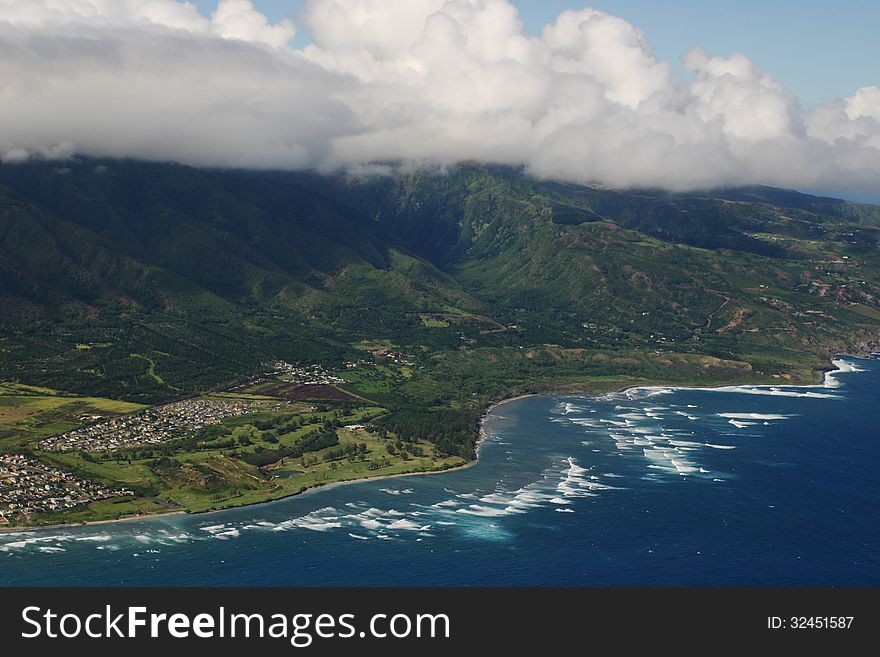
{"type": "Point", "coordinates": [433, 81]}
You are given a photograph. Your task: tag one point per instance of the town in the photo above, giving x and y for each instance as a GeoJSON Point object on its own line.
{"type": "Point", "coordinates": [307, 375]}
{"type": "Point", "coordinates": [28, 487]}
{"type": "Point", "coordinates": [154, 426]}
{"type": "Point", "coordinates": [304, 375]}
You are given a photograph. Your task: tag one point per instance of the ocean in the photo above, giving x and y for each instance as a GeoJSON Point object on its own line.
{"type": "Point", "coordinates": [746, 485]}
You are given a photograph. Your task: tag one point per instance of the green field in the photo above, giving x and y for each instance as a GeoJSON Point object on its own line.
{"type": "Point", "coordinates": [222, 467]}
{"type": "Point", "coordinates": [28, 414]}
{"type": "Point", "coordinates": [433, 322]}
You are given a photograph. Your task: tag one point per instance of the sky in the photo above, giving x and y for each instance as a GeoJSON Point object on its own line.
{"type": "Point", "coordinates": [820, 50]}
{"type": "Point", "coordinates": [676, 94]}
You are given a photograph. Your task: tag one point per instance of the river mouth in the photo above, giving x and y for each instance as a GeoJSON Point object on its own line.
{"type": "Point", "coordinates": [646, 486]}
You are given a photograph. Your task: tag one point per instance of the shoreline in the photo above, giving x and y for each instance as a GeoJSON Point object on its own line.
{"type": "Point", "coordinates": [153, 516]}
{"type": "Point", "coordinates": [481, 438]}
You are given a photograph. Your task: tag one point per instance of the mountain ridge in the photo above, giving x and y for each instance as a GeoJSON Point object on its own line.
{"type": "Point", "coordinates": [180, 261]}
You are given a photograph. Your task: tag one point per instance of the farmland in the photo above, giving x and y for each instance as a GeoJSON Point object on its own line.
{"type": "Point", "coordinates": [265, 446]}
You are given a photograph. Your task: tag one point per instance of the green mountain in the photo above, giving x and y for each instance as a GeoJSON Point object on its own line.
{"type": "Point", "coordinates": [212, 273]}
{"type": "Point", "coordinates": [768, 274]}
{"type": "Point", "coordinates": [147, 282]}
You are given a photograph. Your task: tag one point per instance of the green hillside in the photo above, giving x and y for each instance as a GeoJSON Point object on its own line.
{"type": "Point", "coordinates": [151, 282]}
{"type": "Point", "coordinates": [594, 268]}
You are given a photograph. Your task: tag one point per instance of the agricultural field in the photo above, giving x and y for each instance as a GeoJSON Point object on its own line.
{"type": "Point", "coordinates": [293, 444]}
{"type": "Point", "coordinates": [29, 414]}
{"type": "Point", "coordinates": [298, 391]}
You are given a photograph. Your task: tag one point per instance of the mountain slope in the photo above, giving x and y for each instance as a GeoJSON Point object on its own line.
{"type": "Point", "coordinates": [642, 268]}
{"type": "Point", "coordinates": [113, 271]}
{"type": "Point", "coordinates": [215, 269]}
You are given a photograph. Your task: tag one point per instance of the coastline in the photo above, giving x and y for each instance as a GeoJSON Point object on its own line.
{"type": "Point", "coordinates": [482, 436]}
{"type": "Point", "coordinates": [151, 516]}
{"type": "Point", "coordinates": [492, 407]}
{"type": "Point", "coordinates": [88, 523]}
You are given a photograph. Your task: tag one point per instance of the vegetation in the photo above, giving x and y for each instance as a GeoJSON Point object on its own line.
{"type": "Point", "coordinates": [245, 459]}
{"type": "Point", "coordinates": [127, 284]}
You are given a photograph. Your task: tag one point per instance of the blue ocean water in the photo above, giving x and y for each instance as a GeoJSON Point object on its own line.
{"type": "Point", "coordinates": [655, 486]}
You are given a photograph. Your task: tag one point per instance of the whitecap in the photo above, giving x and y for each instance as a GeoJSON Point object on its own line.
{"type": "Point", "coordinates": [229, 533]}
{"type": "Point", "coordinates": [407, 525]}
{"type": "Point", "coordinates": [484, 511]}
{"type": "Point", "coordinates": [843, 367]}
{"type": "Point", "coordinates": [754, 416]}
{"type": "Point", "coordinates": [98, 538]}
{"type": "Point", "coordinates": [685, 443]}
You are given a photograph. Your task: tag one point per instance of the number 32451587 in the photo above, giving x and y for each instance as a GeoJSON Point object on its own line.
{"type": "Point", "coordinates": [810, 623]}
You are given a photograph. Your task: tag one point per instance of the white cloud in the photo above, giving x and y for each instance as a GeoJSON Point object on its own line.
{"type": "Point", "coordinates": [165, 94]}
{"type": "Point", "coordinates": [607, 49]}
{"type": "Point", "coordinates": [865, 102]}
{"type": "Point", "coordinates": [751, 105]}
{"type": "Point", "coordinates": [434, 81]}
{"type": "Point", "coordinates": [237, 19]}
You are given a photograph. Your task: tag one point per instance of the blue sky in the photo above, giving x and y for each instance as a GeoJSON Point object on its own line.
{"type": "Point", "coordinates": [819, 49]}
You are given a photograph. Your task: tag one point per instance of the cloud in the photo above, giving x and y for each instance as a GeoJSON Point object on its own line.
{"type": "Point", "coordinates": [152, 79]}
{"type": "Point", "coordinates": [434, 81]}
{"type": "Point", "coordinates": [236, 19]}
